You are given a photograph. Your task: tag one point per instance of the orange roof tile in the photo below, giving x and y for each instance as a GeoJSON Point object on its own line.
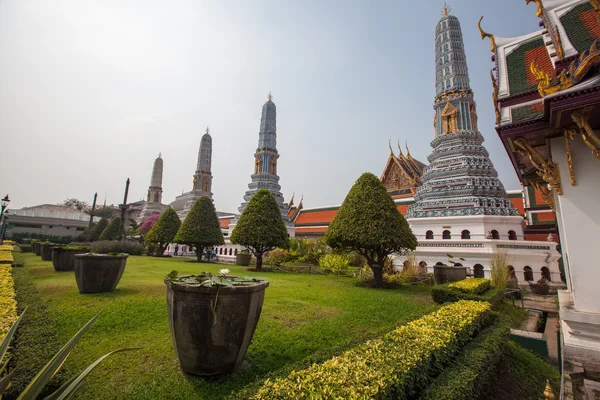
{"type": "Point", "coordinates": [224, 223]}
{"type": "Point", "coordinates": [316, 217]}
{"type": "Point", "coordinates": [517, 202]}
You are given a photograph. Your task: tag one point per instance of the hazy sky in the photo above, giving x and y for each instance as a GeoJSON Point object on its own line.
{"type": "Point", "coordinates": [92, 91]}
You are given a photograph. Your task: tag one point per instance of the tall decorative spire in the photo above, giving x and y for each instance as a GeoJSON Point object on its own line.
{"type": "Point", "coordinates": [446, 10]}
{"type": "Point", "coordinates": [155, 189]}
{"type": "Point", "coordinates": [265, 159]}
{"type": "Point", "coordinates": [460, 179]}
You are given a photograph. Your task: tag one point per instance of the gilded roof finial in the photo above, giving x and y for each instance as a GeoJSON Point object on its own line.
{"type": "Point", "coordinates": [390, 146]}
{"type": "Point", "coordinates": [485, 34]}
{"type": "Point", "coordinates": [540, 8]}
{"type": "Point", "coordinates": [270, 96]}
{"type": "Point", "coordinates": [548, 394]}
{"type": "Point", "coordinates": [407, 150]}
{"type": "Point", "coordinates": [207, 130]}
{"type": "Point", "coordinates": [400, 149]}
{"type": "Point", "coordinates": [446, 10]}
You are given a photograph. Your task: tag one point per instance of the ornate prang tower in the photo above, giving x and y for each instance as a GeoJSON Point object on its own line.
{"type": "Point", "coordinates": [460, 179]}
{"type": "Point", "coordinates": [203, 176]}
{"type": "Point", "coordinates": [265, 160]}
{"type": "Point", "coordinates": [155, 189]}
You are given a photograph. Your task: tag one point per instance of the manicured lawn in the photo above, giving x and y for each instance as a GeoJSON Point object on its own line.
{"type": "Point", "coordinates": [305, 319]}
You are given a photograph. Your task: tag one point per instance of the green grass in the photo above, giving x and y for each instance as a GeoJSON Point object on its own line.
{"type": "Point", "coordinates": [305, 319]}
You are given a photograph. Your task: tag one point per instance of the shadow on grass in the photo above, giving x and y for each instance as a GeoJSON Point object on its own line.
{"type": "Point", "coordinates": [115, 293]}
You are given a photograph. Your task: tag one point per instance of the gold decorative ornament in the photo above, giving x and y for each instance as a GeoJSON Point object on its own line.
{"type": "Point", "coordinates": [596, 5]}
{"type": "Point", "coordinates": [570, 135]}
{"type": "Point", "coordinates": [587, 133]}
{"type": "Point", "coordinates": [548, 394]}
{"type": "Point", "coordinates": [390, 146]}
{"type": "Point", "coordinates": [449, 118]}
{"type": "Point", "coordinates": [560, 53]}
{"type": "Point", "coordinates": [446, 10]}
{"type": "Point", "coordinates": [577, 69]}
{"type": "Point", "coordinates": [270, 97]}
{"type": "Point", "coordinates": [474, 116]}
{"type": "Point", "coordinates": [485, 34]}
{"type": "Point", "coordinates": [547, 170]}
{"type": "Point", "coordinates": [546, 193]}
{"type": "Point", "coordinates": [540, 8]}
{"type": "Point", "coordinates": [495, 96]}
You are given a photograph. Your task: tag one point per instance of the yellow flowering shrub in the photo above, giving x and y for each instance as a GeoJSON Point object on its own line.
{"type": "Point", "coordinates": [10, 242]}
{"type": "Point", "coordinates": [398, 365]}
{"type": "Point", "coordinates": [8, 304]}
{"type": "Point", "coordinates": [6, 257]}
{"type": "Point", "coordinates": [472, 285]}
{"type": "Point", "coordinates": [6, 247]}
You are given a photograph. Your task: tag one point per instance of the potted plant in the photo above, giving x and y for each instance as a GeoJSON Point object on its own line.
{"type": "Point", "coordinates": [212, 319]}
{"type": "Point", "coordinates": [63, 257]}
{"type": "Point", "coordinates": [46, 251]}
{"type": "Point", "coordinates": [243, 258]}
{"type": "Point", "coordinates": [25, 248]}
{"type": "Point", "coordinates": [453, 271]}
{"type": "Point", "coordinates": [98, 273]}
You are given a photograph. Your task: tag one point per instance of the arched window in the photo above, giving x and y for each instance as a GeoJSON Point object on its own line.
{"type": "Point", "coordinates": [446, 47]}
{"type": "Point", "coordinates": [230, 252]}
{"type": "Point", "coordinates": [528, 273]}
{"type": "Point", "coordinates": [511, 272]}
{"type": "Point", "coordinates": [446, 234]}
{"type": "Point", "coordinates": [465, 234]}
{"type": "Point", "coordinates": [235, 252]}
{"type": "Point", "coordinates": [512, 235]}
{"type": "Point", "coordinates": [478, 271]}
{"type": "Point", "coordinates": [495, 234]}
{"type": "Point", "coordinates": [429, 235]}
{"type": "Point", "coordinates": [221, 251]}
{"type": "Point", "coordinates": [546, 273]}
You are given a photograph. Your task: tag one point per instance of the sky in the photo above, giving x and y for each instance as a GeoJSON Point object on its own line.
{"type": "Point", "coordinates": [92, 91]}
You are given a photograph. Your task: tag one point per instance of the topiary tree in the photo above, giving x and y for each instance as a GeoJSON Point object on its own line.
{"type": "Point", "coordinates": [201, 227]}
{"type": "Point", "coordinates": [98, 229]}
{"type": "Point", "coordinates": [369, 223]}
{"type": "Point", "coordinates": [164, 230]}
{"type": "Point", "coordinates": [112, 230]}
{"type": "Point", "coordinates": [260, 227]}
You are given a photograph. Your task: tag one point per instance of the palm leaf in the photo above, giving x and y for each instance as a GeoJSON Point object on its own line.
{"type": "Point", "coordinates": [43, 377]}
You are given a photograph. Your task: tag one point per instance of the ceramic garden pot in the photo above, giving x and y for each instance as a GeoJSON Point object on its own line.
{"type": "Point", "coordinates": [243, 259]}
{"type": "Point", "coordinates": [63, 259]}
{"type": "Point", "coordinates": [98, 273]}
{"type": "Point", "coordinates": [443, 274]}
{"type": "Point", "coordinates": [205, 347]}
{"type": "Point", "coordinates": [46, 251]}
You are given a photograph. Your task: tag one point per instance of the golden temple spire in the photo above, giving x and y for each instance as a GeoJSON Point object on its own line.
{"type": "Point", "coordinates": [390, 146]}
{"type": "Point", "coordinates": [270, 97]}
{"type": "Point", "coordinates": [446, 10]}
{"type": "Point", "coordinates": [485, 34]}
{"type": "Point", "coordinates": [407, 150]}
{"type": "Point", "coordinates": [400, 149]}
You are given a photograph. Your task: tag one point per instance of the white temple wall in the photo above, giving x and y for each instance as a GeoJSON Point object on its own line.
{"type": "Point", "coordinates": [477, 225]}
{"type": "Point", "coordinates": [579, 222]}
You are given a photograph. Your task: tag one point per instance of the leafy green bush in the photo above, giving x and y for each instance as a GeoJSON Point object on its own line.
{"type": "Point", "coordinates": [277, 257]}
{"type": "Point", "coordinates": [163, 231]}
{"type": "Point", "coordinates": [115, 246]}
{"type": "Point", "coordinates": [112, 230]}
{"type": "Point", "coordinates": [335, 263]}
{"type": "Point", "coordinates": [369, 223]}
{"type": "Point", "coordinates": [472, 285]}
{"type": "Point", "coordinates": [399, 365]}
{"type": "Point", "coordinates": [443, 294]}
{"type": "Point", "coordinates": [201, 227]}
{"type": "Point", "coordinates": [466, 377]}
{"type": "Point", "coordinates": [98, 229]}
{"type": "Point", "coordinates": [20, 237]}
{"type": "Point", "coordinates": [260, 227]}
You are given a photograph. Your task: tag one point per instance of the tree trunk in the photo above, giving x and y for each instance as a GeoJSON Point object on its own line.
{"type": "Point", "coordinates": [377, 275]}
{"type": "Point", "coordinates": [259, 261]}
{"type": "Point", "coordinates": [199, 251]}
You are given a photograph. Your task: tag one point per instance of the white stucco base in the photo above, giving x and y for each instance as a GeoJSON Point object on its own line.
{"type": "Point", "coordinates": [477, 249]}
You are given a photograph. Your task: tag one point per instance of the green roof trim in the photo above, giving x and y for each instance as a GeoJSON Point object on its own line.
{"type": "Point", "coordinates": [517, 70]}
{"type": "Point", "coordinates": [526, 113]}
{"type": "Point", "coordinates": [576, 29]}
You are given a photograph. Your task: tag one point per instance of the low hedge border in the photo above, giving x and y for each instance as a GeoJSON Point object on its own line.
{"type": "Point", "coordinates": [398, 365]}
{"type": "Point", "coordinates": [35, 342]}
{"type": "Point", "coordinates": [472, 285]}
{"type": "Point", "coordinates": [443, 294]}
{"type": "Point", "coordinates": [466, 377]}
{"type": "Point", "coordinates": [8, 304]}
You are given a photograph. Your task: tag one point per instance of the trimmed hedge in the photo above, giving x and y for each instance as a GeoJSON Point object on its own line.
{"type": "Point", "coordinates": [8, 304]}
{"type": "Point", "coordinates": [443, 294]}
{"type": "Point", "coordinates": [115, 246]}
{"type": "Point", "coordinates": [473, 285]}
{"type": "Point", "coordinates": [472, 370]}
{"type": "Point", "coordinates": [398, 365]}
{"type": "Point", "coordinates": [36, 340]}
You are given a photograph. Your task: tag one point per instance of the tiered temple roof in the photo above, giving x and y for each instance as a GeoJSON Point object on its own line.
{"type": "Point", "coordinates": [402, 174]}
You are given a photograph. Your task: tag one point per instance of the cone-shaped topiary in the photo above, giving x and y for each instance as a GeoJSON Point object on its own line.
{"type": "Point", "coordinates": [201, 227]}
{"type": "Point", "coordinates": [260, 227]}
{"type": "Point", "coordinates": [98, 229]}
{"type": "Point", "coordinates": [112, 230]}
{"type": "Point", "coordinates": [163, 231]}
{"type": "Point", "coordinates": [369, 223]}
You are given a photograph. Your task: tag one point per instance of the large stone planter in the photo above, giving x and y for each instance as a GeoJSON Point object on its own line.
{"type": "Point", "coordinates": [63, 259]}
{"type": "Point", "coordinates": [36, 248]}
{"type": "Point", "coordinates": [98, 273]}
{"type": "Point", "coordinates": [46, 251]}
{"type": "Point", "coordinates": [443, 274]}
{"type": "Point", "coordinates": [25, 248]}
{"type": "Point", "coordinates": [243, 259]}
{"type": "Point", "coordinates": [206, 348]}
